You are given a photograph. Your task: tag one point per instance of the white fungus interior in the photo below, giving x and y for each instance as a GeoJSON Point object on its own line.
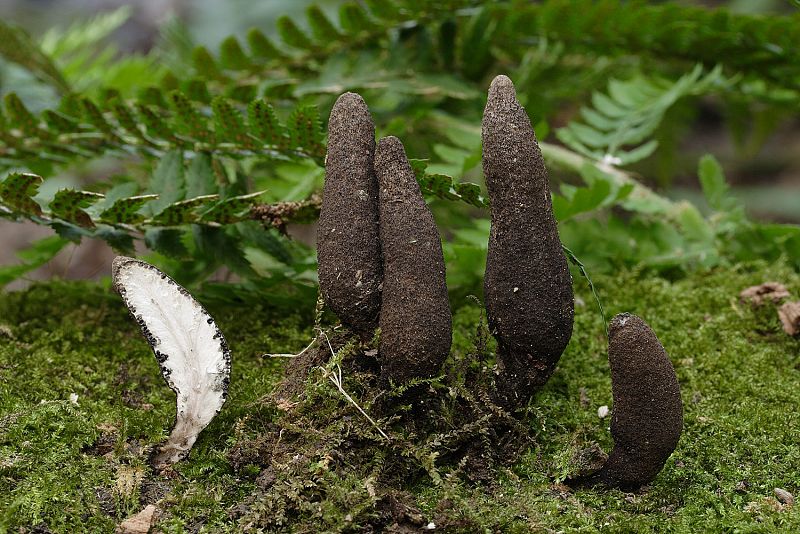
{"type": "Point", "coordinates": [195, 366]}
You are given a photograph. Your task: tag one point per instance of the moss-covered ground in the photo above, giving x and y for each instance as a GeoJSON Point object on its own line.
{"type": "Point", "coordinates": [82, 403]}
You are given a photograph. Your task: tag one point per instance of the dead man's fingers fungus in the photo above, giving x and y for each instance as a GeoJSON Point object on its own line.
{"type": "Point", "coordinates": [647, 416]}
{"type": "Point", "coordinates": [194, 358]}
{"type": "Point", "coordinates": [348, 246]}
{"type": "Point", "coordinates": [528, 287]}
{"type": "Point", "coordinates": [415, 317]}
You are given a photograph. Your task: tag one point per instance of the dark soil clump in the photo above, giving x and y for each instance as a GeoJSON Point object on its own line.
{"type": "Point", "coordinates": [348, 246]}
{"type": "Point", "coordinates": [528, 287]}
{"type": "Point", "coordinates": [415, 318]}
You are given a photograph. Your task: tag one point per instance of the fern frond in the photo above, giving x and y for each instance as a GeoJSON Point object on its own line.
{"type": "Point", "coordinates": [83, 129]}
{"type": "Point", "coordinates": [757, 48]}
{"type": "Point", "coordinates": [616, 129]}
{"type": "Point", "coordinates": [17, 47]}
{"type": "Point", "coordinates": [88, 61]}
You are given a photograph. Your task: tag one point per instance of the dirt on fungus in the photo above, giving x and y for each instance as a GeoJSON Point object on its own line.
{"type": "Point", "coordinates": [348, 246]}
{"type": "Point", "coordinates": [528, 287]}
{"type": "Point", "coordinates": [415, 317]}
{"type": "Point", "coordinates": [647, 419]}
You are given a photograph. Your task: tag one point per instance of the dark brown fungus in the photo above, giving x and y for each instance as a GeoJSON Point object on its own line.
{"type": "Point", "coordinates": [348, 246]}
{"type": "Point", "coordinates": [528, 287]}
{"type": "Point", "coordinates": [415, 315]}
{"type": "Point", "coordinates": [647, 416]}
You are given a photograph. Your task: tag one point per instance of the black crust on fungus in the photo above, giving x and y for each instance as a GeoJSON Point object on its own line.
{"type": "Point", "coordinates": [415, 318]}
{"type": "Point", "coordinates": [348, 248]}
{"type": "Point", "coordinates": [647, 419]}
{"type": "Point", "coordinates": [116, 266]}
{"type": "Point", "coordinates": [528, 287]}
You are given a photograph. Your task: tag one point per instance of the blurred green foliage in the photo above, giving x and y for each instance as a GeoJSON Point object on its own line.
{"type": "Point", "coordinates": [218, 149]}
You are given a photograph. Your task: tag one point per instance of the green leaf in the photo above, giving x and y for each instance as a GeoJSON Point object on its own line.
{"type": "Point", "coordinates": [17, 192]}
{"type": "Point", "coordinates": [126, 210]}
{"type": "Point", "coordinates": [353, 18]}
{"type": "Point", "coordinates": [712, 180]}
{"type": "Point", "coordinates": [200, 178]}
{"type": "Point", "coordinates": [196, 90]}
{"type": "Point", "coordinates": [20, 117]}
{"type": "Point", "coordinates": [228, 123]}
{"type": "Point", "coordinates": [127, 120]}
{"type": "Point", "coordinates": [59, 122]}
{"type": "Point", "coordinates": [384, 9]}
{"type": "Point", "coordinates": [321, 26]}
{"type": "Point", "coordinates": [204, 63]}
{"type": "Point", "coordinates": [695, 227]}
{"type": "Point", "coordinates": [68, 205]}
{"type": "Point", "coordinates": [167, 182]}
{"type": "Point", "coordinates": [183, 211]}
{"type": "Point", "coordinates": [264, 124]}
{"type": "Point", "coordinates": [291, 34]}
{"type": "Point", "coordinates": [581, 200]}
{"type": "Point", "coordinates": [120, 240]}
{"type": "Point", "coordinates": [231, 55]}
{"type": "Point", "coordinates": [33, 257]}
{"type": "Point", "coordinates": [232, 209]}
{"type": "Point", "coordinates": [306, 130]}
{"type": "Point", "coordinates": [261, 46]}
{"type": "Point", "coordinates": [166, 241]}
{"type": "Point", "coordinates": [17, 46]}
{"type": "Point", "coordinates": [189, 121]}
{"type": "Point", "coordinates": [95, 117]}
{"type": "Point", "coordinates": [157, 128]}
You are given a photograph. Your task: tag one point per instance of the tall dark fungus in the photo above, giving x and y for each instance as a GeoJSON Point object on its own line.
{"type": "Point", "coordinates": [348, 245]}
{"type": "Point", "coordinates": [415, 315]}
{"type": "Point", "coordinates": [648, 413]}
{"type": "Point", "coordinates": [528, 287]}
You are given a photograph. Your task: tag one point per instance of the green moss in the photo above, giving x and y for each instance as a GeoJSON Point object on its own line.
{"type": "Point", "coordinates": [84, 466]}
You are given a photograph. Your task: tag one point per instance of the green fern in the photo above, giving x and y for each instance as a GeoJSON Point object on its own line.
{"type": "Point", "coordinates": [616, 130]}
{"type": "Point", "coordinates": [90, 130]}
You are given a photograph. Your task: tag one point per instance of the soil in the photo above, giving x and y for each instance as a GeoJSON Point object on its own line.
{"type": "Point", "coordinates": [448, 423]}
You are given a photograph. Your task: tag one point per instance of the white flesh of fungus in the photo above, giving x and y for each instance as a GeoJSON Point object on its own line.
{"type": "Point", "coordinates": [193, 355]}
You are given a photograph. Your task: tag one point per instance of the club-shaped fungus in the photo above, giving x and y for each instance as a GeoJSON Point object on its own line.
{"type": "Point", "coordinates": [415, 317]}
{"type": "Point", "coordinates": [348, 246]}
{"type": "Point", "coordinates": [647, 416]}
{"type": "Point", "coordinates": [528, 287]}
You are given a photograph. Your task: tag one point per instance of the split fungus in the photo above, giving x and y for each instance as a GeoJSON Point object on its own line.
{"type": "Point", "coordinates": [194, 358]}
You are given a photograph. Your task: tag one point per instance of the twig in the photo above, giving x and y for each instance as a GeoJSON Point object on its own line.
{"type": "Point", "coordinates": [288, 355]}
{"type": "Point", "coordinates": [336, 379]}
